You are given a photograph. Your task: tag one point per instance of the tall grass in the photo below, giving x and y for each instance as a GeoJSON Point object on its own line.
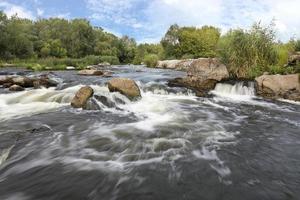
{"type": "Point", "coordinates": [248, 53]}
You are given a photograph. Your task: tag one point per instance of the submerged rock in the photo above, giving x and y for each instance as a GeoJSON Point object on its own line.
{"type": "Point", "coordinates": [16, 88]}
{"type": "Point", "coordinates": [82, 96]}
{"type": "Point", "coordinates": [279, 86]}
{"type": "Point", "coordinates": [105, 101]}
{"type": "Point", "coordinates": [125, 86]}
{"type": "Point", "coordinates": [90, 72]}
{"type": "Point", "coordinates": [202, 76]}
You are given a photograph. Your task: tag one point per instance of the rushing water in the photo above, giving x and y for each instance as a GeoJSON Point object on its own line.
{"type": "Point", "coordinates": [169, 145]}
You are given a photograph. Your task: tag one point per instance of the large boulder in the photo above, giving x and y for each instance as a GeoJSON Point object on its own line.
{"type": "Point", "coordinates": [202, 75]}
{"type": "Point", "coordinates": [90, 72]}
{"type": "Point", "coordinates": [16, 88]}
{"type": "Point", "coordinates": [182, 65]}
{"type": "Point", "coordinates": [279, 86]}
{"type": "Point", "coordinates": [81, 97]}
{"type": "Point", "coordinates": [125, 86]}
{"type": "Point", "coordinates": [23, 81]}
{"type": "Point", "coordinates": [5, 79]}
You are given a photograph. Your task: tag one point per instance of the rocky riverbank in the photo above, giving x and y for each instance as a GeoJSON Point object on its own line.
{"type": "Point", "coordinates": [204, 73]}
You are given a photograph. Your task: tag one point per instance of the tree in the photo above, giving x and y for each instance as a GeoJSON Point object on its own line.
{"type": "Point", "coordinates": [126, 49]}
{"type": "Point", "coordinates": [170, 41]}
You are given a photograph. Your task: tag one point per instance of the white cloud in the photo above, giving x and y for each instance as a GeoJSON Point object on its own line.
{"type": "Point", "coordinates": [154, 17]}
{"type": "Point", "coordinates": [39, 11]}
{"type": "Point", "coordinates": [12, 9]}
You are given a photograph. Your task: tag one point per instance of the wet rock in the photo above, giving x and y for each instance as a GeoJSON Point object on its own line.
{"type": "Point", "coordinates": [108, 74]}
{"type": "Point", "coordinates": [90, 72]}
{"type": "Point", "coordinates": [279, 86]}
{"type": "Point", "coordinates": [105, 101]}
{"type": "Point", "coordinates": [23, 81]}
{"type": "Point", "coordinates": [7, 85]}
{"type": "Point", "coordinates": [44, 82]}
{"type": "Point", "coordinates": [5, 79]}
{"type": "Point", "coordinates": [202, 76]}
{"type": "Point", "coordinates": [16, 88]}
{"type": "Point", "coordinates": [82, 96]}
{"type": "Point", "coordinates": [125, 86]}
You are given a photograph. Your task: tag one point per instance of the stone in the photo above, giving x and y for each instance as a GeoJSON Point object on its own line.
{"type": "Point", "coordinates": [16, 88]}
{"type": "Point", "coordinates": [23, 81]}
{"type": "Point", "coordinates": [105, 101]}
{"type": "Point", "coordinates": [70, 68]}
{"type": "Point", "coordinates": [202, 76]}
{"type": "Point", "coordinates": [125, 86]}
{"type": "Point", "coordinates": [5, 79]}
{"type": "Point", "coordinates": [278, 86]}
{"type": "Point", "coordinates": [82, 96]}
{"type": "Point", "coordinates": [90, 72]}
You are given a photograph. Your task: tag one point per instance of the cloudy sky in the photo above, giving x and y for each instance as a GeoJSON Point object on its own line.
{"type": "Point", "coordinates": [147, 20]}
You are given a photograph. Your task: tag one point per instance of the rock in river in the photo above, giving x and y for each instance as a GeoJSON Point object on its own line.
{"type": "Point", "coordinates": [202, 75]}
{"type": "Point", "coordinates": [90, 72]}
{"type": "Point", "coordinates": [279, 86]}
{"type": "Point", "coordinates": [82, 96]}
{"type": "Point", "coordinates": [16, 88]}
{"type": "Point", "coordinates": [125, 86]}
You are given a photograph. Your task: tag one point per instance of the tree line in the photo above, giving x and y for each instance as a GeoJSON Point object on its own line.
{"type": "Point", "coordinates": [57, 41]}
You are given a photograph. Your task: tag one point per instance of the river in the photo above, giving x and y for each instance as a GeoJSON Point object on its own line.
{"type": "Point", "coordinates": [168, 145]}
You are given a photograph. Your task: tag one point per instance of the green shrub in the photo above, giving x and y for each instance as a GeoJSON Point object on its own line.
{"type": "Point", "coordinates": [187, 56]}
{"type": "Point", "coordinates": [248, 52]}
{"type": "Point", "coordinates": [110, 59]}
{"type": "Point", "coordinates": [151, 60]}
{"type": "Point", "coordinates": [297, 45]}
{"type": "Point", "coordinates": [92, 60]}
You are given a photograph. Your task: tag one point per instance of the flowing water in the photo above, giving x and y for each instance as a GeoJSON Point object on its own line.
{"type": "Point", "coordinates": [169, 145]}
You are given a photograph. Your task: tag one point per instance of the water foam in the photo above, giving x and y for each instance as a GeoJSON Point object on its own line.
{"type": "Point", "coordinates": [238, 91]}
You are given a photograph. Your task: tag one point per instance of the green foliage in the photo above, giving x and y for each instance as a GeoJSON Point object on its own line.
{"type": "Point", "coordinates": [248, 52]}
{"type": "Point", "coordinates": [195, 42]}
{"type": "Point", "coordinates": [110, 59]}
{"type": "Point", "coordinates": [297, 45]}
{"type": "Point", "coordinates": [60, 38]}
{"type": "Point", "coordinates": [145, 49]}
{"type": "Point", "coordinates": [151, 60]}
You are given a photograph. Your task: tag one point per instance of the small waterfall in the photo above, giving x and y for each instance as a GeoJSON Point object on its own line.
{"type": "Point", "coordinates": [238, 90]}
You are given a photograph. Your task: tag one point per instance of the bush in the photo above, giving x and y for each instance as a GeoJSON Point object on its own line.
{"type": "Point", "coordinates": [151, 60]}
{"type": "Point", "coordinates": [297, 45]}
{"type": "Point", "coordinates": [110, 59]}
{"type": "Point", "coordinates": [248, 52]}
{"type": "Point", "coordinates": [92, 60]}
{"type": "Point", "coordinates": [187, 56]}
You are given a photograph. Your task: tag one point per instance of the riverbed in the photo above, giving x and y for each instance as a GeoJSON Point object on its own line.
{"type": "Point", "coordinates": [170, 144]}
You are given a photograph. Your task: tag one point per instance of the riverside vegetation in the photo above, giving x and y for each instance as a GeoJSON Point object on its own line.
{"type": "Point", "coordinates": [56, 43]}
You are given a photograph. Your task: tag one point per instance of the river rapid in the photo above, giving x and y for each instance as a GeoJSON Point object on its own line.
{"type": "Point", "coordinates": [168, 145]}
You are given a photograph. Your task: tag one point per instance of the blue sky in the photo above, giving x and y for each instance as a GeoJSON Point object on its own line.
{"type": "Point", "coordinates": [147, 20]}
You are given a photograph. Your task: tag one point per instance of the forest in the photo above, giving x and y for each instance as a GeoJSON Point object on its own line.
{"type": "Point", "coordinates": [57, 42]}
